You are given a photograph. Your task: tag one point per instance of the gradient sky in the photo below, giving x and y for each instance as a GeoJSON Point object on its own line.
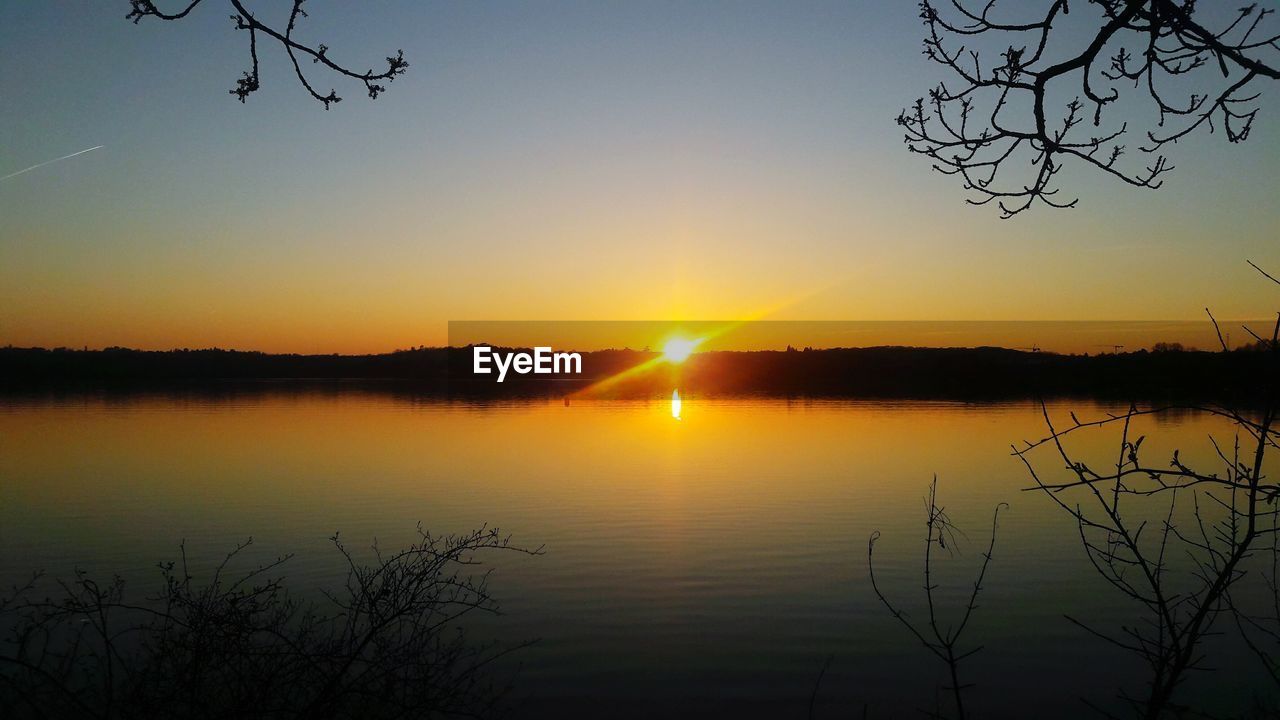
{"type": "Point", "coordinates": [552, 160]}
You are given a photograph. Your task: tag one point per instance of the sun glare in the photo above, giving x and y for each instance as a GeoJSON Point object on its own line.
{"type": "Point", "coordinates": [677, 350]}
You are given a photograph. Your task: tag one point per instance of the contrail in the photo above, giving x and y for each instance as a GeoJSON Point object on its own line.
{"type": "Point", "coordinates": [50, 162]}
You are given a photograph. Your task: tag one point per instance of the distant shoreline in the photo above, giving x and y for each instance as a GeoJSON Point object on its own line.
{"type": "Point", "coordinates": [908, 372]}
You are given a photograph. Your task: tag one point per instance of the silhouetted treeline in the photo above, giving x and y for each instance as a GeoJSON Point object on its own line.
{"type": "Point", "coordinates": [874, 372]}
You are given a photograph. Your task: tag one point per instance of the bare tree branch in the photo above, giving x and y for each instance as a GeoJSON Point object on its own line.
{"type": "Point", "coordinates": [250, 81]}
{"type": "Point", "coordinates": [942, 643]}
{"type": "Point", "coordinates": [1230, 510]}
{"type": "Point", "coordinates": [1027, 109]}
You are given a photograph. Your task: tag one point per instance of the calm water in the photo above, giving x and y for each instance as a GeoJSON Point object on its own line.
{"type": "Point", "coordinates": [709, 564]}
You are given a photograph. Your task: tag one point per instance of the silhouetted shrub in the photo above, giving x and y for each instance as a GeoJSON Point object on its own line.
{"type": "Point", "coordinates": [387, 644]}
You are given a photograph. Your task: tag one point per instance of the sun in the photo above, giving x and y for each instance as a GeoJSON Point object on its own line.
{"type": "Point", "coordinates": [677, 350]}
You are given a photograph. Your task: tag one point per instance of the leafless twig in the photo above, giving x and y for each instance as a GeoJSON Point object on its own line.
{"type": "Point", "coordinates": [942, 643]}
{"type": "Point", "coordinates": [297, 52]}
{"type": "Point", "coordinates": [1027, 107]}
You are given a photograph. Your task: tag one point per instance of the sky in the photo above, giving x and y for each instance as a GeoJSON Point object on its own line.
{"type": "Point", "coordinates": [552, 161]}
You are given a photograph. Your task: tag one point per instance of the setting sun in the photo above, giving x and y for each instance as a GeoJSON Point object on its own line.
{"type": "Point", "coordinates": [677, 350]}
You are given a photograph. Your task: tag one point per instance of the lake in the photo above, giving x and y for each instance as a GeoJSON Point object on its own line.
{"type": "Point", "coordinates": [706, 565]}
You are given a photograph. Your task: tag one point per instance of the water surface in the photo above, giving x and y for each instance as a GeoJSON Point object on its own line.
{"type": "Point", "coordinates": [710, 563]}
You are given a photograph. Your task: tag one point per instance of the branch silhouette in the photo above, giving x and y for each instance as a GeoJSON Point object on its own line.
{"type": "Point", "coordinates": [318, 54]}
{"type": "Point", "coordinates": [1217, 519]}
{"type": "Point", "coordinates": [1027, 108]}
{"type": "Point", "coordinates": [943, 643]}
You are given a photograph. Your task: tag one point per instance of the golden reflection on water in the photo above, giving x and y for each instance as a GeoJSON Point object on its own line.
{"type": "Point", "coordinates": [333, 456]}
